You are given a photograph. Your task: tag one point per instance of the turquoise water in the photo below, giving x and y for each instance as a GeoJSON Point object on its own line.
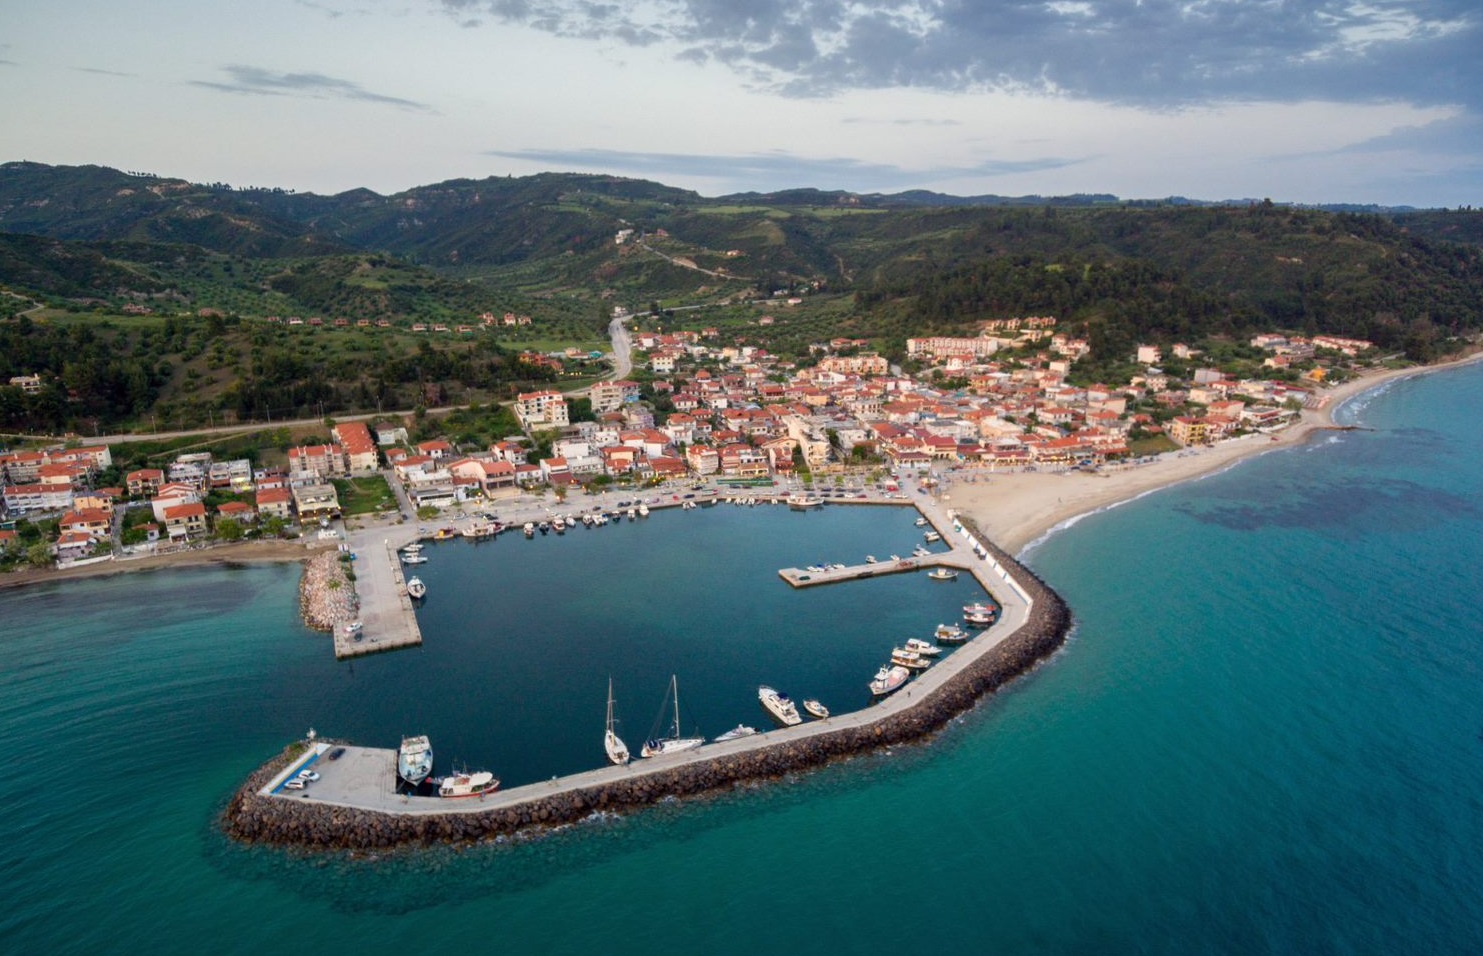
{"type": "Point", "coordinates": [1264, 736]}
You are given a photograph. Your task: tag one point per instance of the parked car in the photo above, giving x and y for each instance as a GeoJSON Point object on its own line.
{"type": "Point", "coordinates": [336, 754]}
{"type": "Point", "coordinates": [295, 784]}
{"type": "Point", "coordinates": [308, 775]}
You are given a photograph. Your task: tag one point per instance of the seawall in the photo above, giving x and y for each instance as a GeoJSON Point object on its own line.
{"type": "Point", "coordinates": [255, 818]}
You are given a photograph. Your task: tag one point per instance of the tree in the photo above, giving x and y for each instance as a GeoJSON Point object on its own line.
{"type": "Point", "coordinates": [39, 555]}
{"type": "Point", "coordinates": [229, 529]}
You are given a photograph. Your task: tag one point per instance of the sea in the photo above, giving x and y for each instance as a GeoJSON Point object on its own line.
{"type": "Point", "coordinates": [1265, 734]}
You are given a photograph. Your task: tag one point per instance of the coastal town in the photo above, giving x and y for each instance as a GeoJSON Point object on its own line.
{"type": "Point", "coordinates": [714, 413]}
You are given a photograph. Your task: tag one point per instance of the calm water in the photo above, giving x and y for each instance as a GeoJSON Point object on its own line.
{"type": "Point", "coordinates": [1264, 735]}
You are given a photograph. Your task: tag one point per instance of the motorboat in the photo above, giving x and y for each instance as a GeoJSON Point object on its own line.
{"type": "Point", "coordinates": [416, 589]}
{"type": "Point", "coordinates": [888, 680]}
{"type": "Point", "coordinates": [921, 522]}
{"type": "Point", "coordinates": [924, 648]}
{"type": "Point", "coordinates": [803, 502]}
{"type": "Point", "coordinates": [414, 558]}
{"type": "Point", "coordinates": [673, 744]}
{"type": "Point", "coordinates": [480, 530]}
{"type": "Point", "coordinates": [643, 510]}
{"type": "Point", "coordinates": [980, 614]}
{"type": "Point", "coordinates": [529, 529]}
{"type": "Point", "coordinates": [414, 759]}
{"type": "Point", "coordinates": [920, 552]}
{"type": "Point", "coordinates": [412, 548]}
{"type": "Point", "coordinates": [612, 743]}
{"type": "Point", "coordinates": [779, 705]}
{"type": "Point", "coordinates": [870, 559]}
{"type": "Point", "coordinates": [909, 659]}
{"type": "Point", "coordinates": [950, 634]}
{"type": "Point", "coordinates": [931, 537]}
{"type": "Point", "coordinates": [814, 708]}
{"type": "Point", "coordinates": [736, 733]}
{"type": "Point", "coordinates": [467, 784]}
{"type": "Point", "coordinates": [943, 574]}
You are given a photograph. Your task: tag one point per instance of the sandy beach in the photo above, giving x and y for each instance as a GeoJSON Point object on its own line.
{"type": "Point", "coordinates": [1017, 509]}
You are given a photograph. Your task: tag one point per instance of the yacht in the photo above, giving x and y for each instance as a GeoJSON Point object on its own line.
{"type": "Point", "coordinates": [416, 589]}
{"type": "Point", "coordinates": [467, 784]}
{"type": "Point", "coordinates": [736, 733]}
{"type": "Point", "coordinates": [414, 759]}
{"type": "Point", "coordinates": [888, 680]}
{"type": "Point", "coordinates": [924, 648]}
{"type": "Point", "coordinates": [660, 746]}
{"type": "Point", "coordinates": [815, 708]}
{"type": "Point", "coordinates": [779, 705]}
{"type": "Point", "coordinates": [616, 748]}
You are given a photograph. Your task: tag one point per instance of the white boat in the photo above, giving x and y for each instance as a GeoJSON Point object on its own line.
{"type": "Point", "coordinates": [616, 748]}
{"type": "Point", "coordinates": [920, 552]}
{"type": "Point", "coordinates": [922, 522]}
{"type": "Point", "coordinates": [412, 548]}
{"type": "Point", "coordinates": [895, 557]}
{"type": "Point", "coordinates": [659, 746]}
{"type": "Point", "coordinates": [950, 634]}
{"type": "Point", "coordinates": [414, 759]}
{"type": "Point", "coordinates": [870, 559]}
{"type": "Point", "coordinates": [735, 733]}
{"type": "Point", "coordinates": [779, 705]}
{"type": "Point", "coordinates": [465, 784]}
{"type": "Point", "coordinates": [943, 574]}
{"type": "Point", "coordinates": [480, 530]}
{"type": "Point", "coordinates": [931, 537]}
{"type": "Point", "coordinates": [643, 511]}
{"type": "Point", "coordinates": [888, 680]}
{"type": "Point", "coordinates": [530, 529]}
{"type": "Point", "coordinates": [415, 588]}
{"type": "Point", "coordinates": [815, 708]}
{"type": "Point", "coordinates": [414, 559]}
{"type": "Point", "coordinates": [909, 659]}
{"type": "Point", "coordinates": [924, 648]}
{"type": "Point", "coordinates": [802, 502]}
{"type": "Point", "coordinates": [558, 523]}
{"type": "Point", "coordinates": [980, 614]}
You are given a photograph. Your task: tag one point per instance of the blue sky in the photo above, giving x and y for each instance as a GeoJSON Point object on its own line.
{"type": "Point", "coordinates": [1297, 100]}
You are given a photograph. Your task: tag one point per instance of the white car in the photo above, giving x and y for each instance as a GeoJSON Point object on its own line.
{"type": "Point", "coordinates": [308, 775]}
{"type": "Point", "coordinates": [294, 784]}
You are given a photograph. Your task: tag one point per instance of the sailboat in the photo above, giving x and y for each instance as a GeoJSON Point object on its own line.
{"type": "Point", "coordinates": [617, 749]}
{"type": "Point", "coordinates": [675, 744]}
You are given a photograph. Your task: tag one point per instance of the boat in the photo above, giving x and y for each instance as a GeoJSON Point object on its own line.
{"type": "Point", "coordinates": [922, 522]}
{"type": "Point", "coordinates": [802, 502]}
{"type": "Point", "coordinates": [544, 527]}
{"type": "Point", "coordinates": [943, 574]}
{"type": "Point", "coordinates": [920, 552]}
{"type": "Point", "coordinates": [530, 529]}
{"type": "Point", "coordinates": [895, 557]}
{"type": "Point", "coordinates": [814, 708]}
{"type": "Point", "coordinates": [643, 510]}
{"type": "Point", "coordinates": [414, 559]}
{"type": "Point", "coordinates": [779, 705]}
{"type": "Point", "coordinates": [888, 680]}
{"type": "Point", "coordinates": [558, 524]}
{"type": "Point", "coordinates": [980, 614]}
{"type": "Point", "coordinates": [950, 634]}
{"type": "Point", "coordinates": [465, 784]}
{"type": "Point", "coordinates": [480, 530]}
{"type": "Point", "coordinates": [660, 746]}
{"type": "Point", "coordinates": [924, 648]}
{"type": "Point", "coordinates": [736, 733]}
{"type": "Point", "coordinates": [445, 534]}
{"type": "Point", "coordinates": [909, 659]}
{"type": "Point", "coordinates": [415, 588]}
{"type": "Point", "coordinates": [931, 537]}
{"type": "Point", "coordinates": [870, 559]}
{"type": "Point", "coordinates": [412, 548]}
{"type": "Point", "coordinates": [414, 759]}
{"type": "Point", "coordinates": [616, 748]}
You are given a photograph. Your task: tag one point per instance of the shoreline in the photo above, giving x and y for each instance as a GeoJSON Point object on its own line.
{"type": "Point", "coordinates": [1018, 511]}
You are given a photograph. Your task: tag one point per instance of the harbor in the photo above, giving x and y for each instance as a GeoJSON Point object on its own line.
{"type": "Point", "coordinates": [358, 789]}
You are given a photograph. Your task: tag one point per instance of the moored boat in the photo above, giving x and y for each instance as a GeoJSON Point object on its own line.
{"type": "Point", "coordinates": [909, 659]}
{"type": "Point", "coordinates": [924, 648]}
{"type": "Point", "coordinates": [950, 634]}
{"type": "Point", "coordinates": [931, 536]}
{"type": "Point", "coordinates": [980, 614]}
{"type": "Point", "coordinates": [414, 759]}
{"type": "Point", "coordinates": [735, 733]}
{"type": "Point", "coordinates": [802, 502]}
{"type": "Point", "coordinates": [660, 746]}
{"type": "Point", "coordinates": [815, 708]}
{"type": "Point", "coordinates": [414, 558]}
{"type": "Point", "coordinates": [943, 574]}
{"type": "Point", "coordinates": [921, 522]}
{"type": "Point", "coordinates": [779, 705]}
{"type": "Point", "coordinates": [465, 784]}
{"type": "Point", "coordinates": [529, 529]}
{"type": "Point", "coordinates": [415, 588]}
{"type": "Point", "coordinates": [643, 510]}
{"type": "Point", "coordinates": [888, 680]}
{"type": "Point", "coordinates": [612, 743]}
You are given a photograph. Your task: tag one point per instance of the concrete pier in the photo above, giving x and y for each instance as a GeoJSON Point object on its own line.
{"type": "Point", "coordinates": [387, 618]}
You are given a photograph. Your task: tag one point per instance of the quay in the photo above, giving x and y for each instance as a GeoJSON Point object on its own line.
{"type": "Point", "coordinates": [388, 620]}
{"type": "Point", "coordinates": [354, 804]}
{"type": "Point", "coordinates": [806, 577]}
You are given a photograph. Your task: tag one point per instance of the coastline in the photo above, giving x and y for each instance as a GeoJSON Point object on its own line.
{"type": "Point", "coordinates": [1016, 511]}
{"type": "Point", "coordinates": [245, 552]}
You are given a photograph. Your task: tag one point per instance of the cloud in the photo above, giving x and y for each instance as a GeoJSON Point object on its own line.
{"type": "Point", "coordinates": [774, 170]}
{"type": "Point", "coordinates": [255, 81]}
{"type": "Point", "coordinates": [1160, 53]}
{"type": "Point", "coordinates": [100, 72]}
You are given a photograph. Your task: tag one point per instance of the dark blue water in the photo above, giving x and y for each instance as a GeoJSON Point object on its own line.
{"type": "Point", "coordinates": [1264, 736]}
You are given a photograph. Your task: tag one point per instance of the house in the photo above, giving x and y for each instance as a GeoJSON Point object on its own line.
{"type": "Point", "coordinates": [185, 521]}
{"type": "Point", "coordinates": [72, 545]}
{"type": "Point", "coordinates": [546, 409]}
{"type": "Point", "coordinates": [390, 433]}
{"type": "Point", "coordinates": [275, 503]}
{"type": "Point", "coordinates": [488, 476]}
{"type": "Point", "coordinates": [322, 461]}
{"type": "Point", "coordinates": [315, 500]}
{"type": "Point", "coordinates": [360, 448]}
{"type": "Point", "coordinates": [90, 521]}
{"type": "Point", "coordinates": [239, 511]}
{"type": "Point", "coordinates": [29, 499]}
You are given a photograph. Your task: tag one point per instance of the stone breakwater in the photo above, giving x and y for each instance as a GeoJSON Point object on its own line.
{"type": "Point", "coordinates": [254, 818]}
{"type": "Point", "coordinates": [326, 595]}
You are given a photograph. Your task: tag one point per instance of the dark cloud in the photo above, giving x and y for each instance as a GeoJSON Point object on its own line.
{"type": "Point", "coordinates": [1144, 52]}
{"type": "Point", "coordinates": [773, 170]}
{"type": "Point", "coordinates": [256, 81]}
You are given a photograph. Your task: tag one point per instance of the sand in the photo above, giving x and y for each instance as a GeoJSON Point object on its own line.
{"type": "Point", "coordinates": [1016, 509]}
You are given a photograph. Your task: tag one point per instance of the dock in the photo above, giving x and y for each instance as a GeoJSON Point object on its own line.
{"type": "Point", "coordinates": [806, 577]}
{"type": "Point", "coordinates": [388, 619]}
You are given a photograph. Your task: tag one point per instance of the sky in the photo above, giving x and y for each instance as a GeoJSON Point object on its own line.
{"type": "Point", "coordinates": [1308, 101]}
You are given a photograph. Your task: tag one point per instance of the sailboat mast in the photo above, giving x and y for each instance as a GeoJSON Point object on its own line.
{"type": "Point", "coordinates": [674, 681]}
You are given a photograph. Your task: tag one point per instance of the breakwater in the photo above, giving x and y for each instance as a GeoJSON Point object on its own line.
{"type": "Point", "coordinates": [252, 816]}
{"type": "Point", "coordinates": [326, 596]}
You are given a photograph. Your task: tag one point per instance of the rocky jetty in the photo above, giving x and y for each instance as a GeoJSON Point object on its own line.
{"type": "Point", "coordinates": [326, 595]}
{"type": "Point", "coordinates": [251, 817]}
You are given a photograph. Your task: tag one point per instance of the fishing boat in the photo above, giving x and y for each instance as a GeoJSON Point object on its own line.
{"type": "Point", "coordinates": [909, 659]}
{"type": "Point", "coordinates": [414, 759]}
{"type": "Point", "coordinates": [888, 680]}
{"type": "Point", "coordinates": [736, 733]}
{"type": "Point", "coordinates": [480, 530]}
{"type": "Point", "coordinates": [931, 537]}
{"type": "Point", "coordinates": [445, 534]}
{"type": "Point", "coordinates": [779, 705]}
{"type": "Point", "coordinates": [465, 784]}
{"type": "Point", "coordinates": [803, 502]}
{"type": "Point", "coordinates": [616, 748]}
{"type": "Point", "coordinates": [943, 574]}
{"type": "Point", "coordinates": [950, 634]}
{"type": "Point", "coordinates": [980, 614]}
{"type": "Point", "coordinates": [815, 708]}
{"type": "Point", "coordinates": [529, 529]}
{"type": "Point", "coordinates": [416, 589]}
{"type": "Point", "coordinates": [660, 746]}
{"type": "Point", "coordinates": [924, 648]}
{"type": "Point", "coordinates": [414, 559]}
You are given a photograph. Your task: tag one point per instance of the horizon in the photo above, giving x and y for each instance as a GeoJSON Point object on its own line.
{"type": "Point", "coordinates": [1314, 102]}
